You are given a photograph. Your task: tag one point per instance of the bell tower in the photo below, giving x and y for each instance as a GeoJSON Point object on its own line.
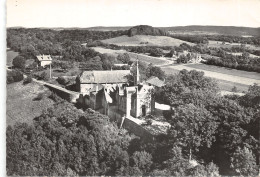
{"type": "Point", "coordinates": [137, 77]}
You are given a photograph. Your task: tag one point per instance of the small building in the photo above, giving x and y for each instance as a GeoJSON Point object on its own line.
{"type": "Point", "coordinates": [44, 60]}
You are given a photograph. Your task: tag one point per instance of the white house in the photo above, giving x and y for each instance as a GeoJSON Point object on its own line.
{"type": "Point", "coordinates": [44, 60]}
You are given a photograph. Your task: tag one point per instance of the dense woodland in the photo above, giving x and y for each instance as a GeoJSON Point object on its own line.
{"type": "Point", "coordinates": [216, 132]}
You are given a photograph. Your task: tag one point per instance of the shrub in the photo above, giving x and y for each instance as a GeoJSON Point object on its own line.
{"type": "Point", "coordinates": [234, 89]}
{"type": "Point", "coordinates": [27, 80]}
{"type": "Point", "coordinates": [63, 81]}
{"type": "Point", "coordinates": [14, 76]}
{"type": "Point", "coordinates": [43, 76]}
{"type": "Point", "coordinates": [39, 97]}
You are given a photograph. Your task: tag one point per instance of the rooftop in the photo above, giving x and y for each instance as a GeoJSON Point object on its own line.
{"type": "Point", "coordinates": [44, 57]}
{"type": "Point", "coordinates": [114, 76]}
{"type": "Point", "coordinates": [155, 81]}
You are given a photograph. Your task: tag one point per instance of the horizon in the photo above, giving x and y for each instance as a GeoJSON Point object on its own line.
{"type": "Point", "coordinates": [100, 26]}
{"type": "Point", "coordinates": [119, 13]}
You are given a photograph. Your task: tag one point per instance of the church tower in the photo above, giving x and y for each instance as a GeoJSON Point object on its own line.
{"type": "Point", "coordinates": [137, 77]}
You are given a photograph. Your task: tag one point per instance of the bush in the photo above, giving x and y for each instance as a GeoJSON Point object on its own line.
{"type": "Point", "coordinates": [27, 80]}
{"type": "Point", "coordinates": [14, 76]}
{"type": "Point", "coordinates": [39, 97]}
{"type": "Point", "coordinates": [63, 81]}
{"type": "Point", "coordinates": [234, 89]}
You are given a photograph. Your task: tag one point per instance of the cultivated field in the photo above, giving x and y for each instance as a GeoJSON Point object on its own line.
{"type": "Point", "coordinates": [221, 76]}
{"type": "Point", "coordinates": [218, 44]}
{"type": "Point", "coordinates": [223, 70]}
{"type": "Point", "coordinates": [141, 57]}
{"type": "Point", "coordinates": [152, 41]}
{"type": "Point", "coordinates": [20, 104]}
{"type": "Point", "coordinates": [10, 55]}
{"type": "Point", "coordinates": [240, 54]}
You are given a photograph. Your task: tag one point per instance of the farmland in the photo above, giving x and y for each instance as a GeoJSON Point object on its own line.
{"type": "Point", "coordinates": [218, 44]}
{"type": "Point", "coordinates": [141, 57]}
{"type": "Point", "coordinates": [223, 70]}
{"type": "Point", "coordinates": [145, 40]}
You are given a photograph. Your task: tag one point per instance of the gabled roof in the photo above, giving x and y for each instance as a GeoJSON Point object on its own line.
{"type": "Point", "coordinates": [155, 81]}
{"type": "Point", "coordinates": [44, 57]}
{"type": "Point", "coordinates": [114, 76]}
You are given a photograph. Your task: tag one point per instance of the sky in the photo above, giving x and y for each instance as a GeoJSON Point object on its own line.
{"type": "Point", "coordinates": [158, 13]}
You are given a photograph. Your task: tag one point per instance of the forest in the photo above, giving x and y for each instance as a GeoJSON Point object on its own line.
{"type": "Point", "coordinates": [215, 132]}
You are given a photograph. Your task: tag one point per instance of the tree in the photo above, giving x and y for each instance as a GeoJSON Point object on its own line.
{"type": "Point", "coordinates": [19, 62]}
{"type": "Point", "coordinates": [243, 162]}
{"type": "Point", "coordinates": [155, 71]}
{"type": "Point", "coordinates": [156, 52]}
{"type": "Point", "coordinates": [142, 160]}
{"type": "Point", "coordinates": [124, 58]}
{"type": "Point", "coordinates": [209, 170]}
{"type": "Point", "coordinates": [14, 76]}
{"type": "Point", "coordinates": [192, 127]}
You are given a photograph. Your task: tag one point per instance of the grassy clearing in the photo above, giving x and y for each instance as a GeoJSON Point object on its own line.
{"type": "Point", "coordinates": [133, 56]}
{"type": "Point", "coordinates": [10, 55]}
{"type": "Point", "coordinates": [152, 41]}
{"type": "Point", "coordinates": [223, 70]}
{"type": "Point", "coordinates": [227, 86]}
{"type": "Point", "coordinates": [108, 51]}
{"type": "Point", "coordinates": [20, 106]}
{"type": "Point", "coordinates": [147, 59]}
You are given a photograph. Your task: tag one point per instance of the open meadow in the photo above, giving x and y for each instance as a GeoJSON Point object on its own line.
{"type": "Point", "coordinates": [21, 105]}
{"type": "Point", "coordinates": [10, 55]}
{"type": "Point", "coordinates": [145, 40]}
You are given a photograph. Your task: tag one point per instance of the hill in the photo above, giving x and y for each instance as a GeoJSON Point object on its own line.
{"type": "Point", "coordinates": [146, 30]}
{"type": "Point", "coordinates": [145, 40]}
{"type": "Point", "coordinates": [214, 30]}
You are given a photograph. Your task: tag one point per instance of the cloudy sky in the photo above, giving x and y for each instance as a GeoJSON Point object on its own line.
{"type": "Point", "coordinates": [87, 13]}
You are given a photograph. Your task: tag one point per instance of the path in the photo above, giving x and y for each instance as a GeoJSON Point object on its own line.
{"type": "Point", "coordinates": [219, 76]}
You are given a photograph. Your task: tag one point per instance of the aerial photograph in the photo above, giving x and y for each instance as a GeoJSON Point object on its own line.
{"type": "Point", "coordinates": [132, 88]}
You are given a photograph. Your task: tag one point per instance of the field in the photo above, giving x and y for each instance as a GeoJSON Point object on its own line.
{"type": "Point", "coordinates": [10, 55]}
{"type": "Point", "coordinates": [240, 54]}
{"type": "Point", "coordinates": [223, 70]}
{"type": "Point", "coordinates": [218, 44]}
{"type": "Point", "coordinates": [148, 59]}
{"type": "Point", "coordinates": [108, 51]}
{"type": "Point", "coordinates": [141, 57]}
{"type": "Point", "coordinates": [223, 84]}
{"type": "Point", "coordinates": [20, 104]}
{"type": "Point", "coordinates": [146, 39]}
